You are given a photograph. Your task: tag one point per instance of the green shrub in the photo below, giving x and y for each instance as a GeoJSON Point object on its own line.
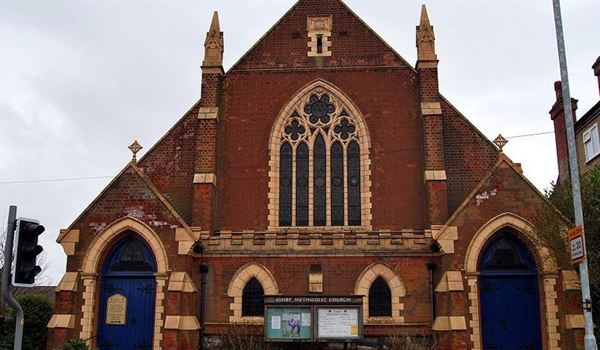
{"type": "Point", "coordinates": [38, 311]}
{"type": "Point", "coordinates": [75, 344]}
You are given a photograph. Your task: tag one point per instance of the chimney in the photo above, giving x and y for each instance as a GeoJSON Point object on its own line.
{"type": "Point", "coordinates": [596, 68]}
{"type": "Point", "coordinates": [557, 114]}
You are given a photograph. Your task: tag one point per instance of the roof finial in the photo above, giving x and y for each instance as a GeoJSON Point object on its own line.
{"type": "Point", "coordinates": [135, 147]}
{"type": "Point", "coordinates": [425, 38]}
{"type": "Point", "coordinates": [500, 141]}
{"type": "Point", "coordinates": [213, 45]}
{"type": "Point", "coordinates": [214, 24]}
{"type": "Point", "coordinates": [424, 16]}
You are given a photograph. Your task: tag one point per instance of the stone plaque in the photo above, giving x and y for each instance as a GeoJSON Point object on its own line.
{"type": "Point", "coordinates": [319, 24]}
{"type": "Point", "coordinates": [116, 310]}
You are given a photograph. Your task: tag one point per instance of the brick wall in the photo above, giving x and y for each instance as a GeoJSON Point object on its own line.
{"type": "Point", "coordinates": [352, 45]}
{"type": "Point", "coordinates": [340, 274]}
{"type": "Point", "coordinates": [468, 154]}
{"type": "Point", "coordinates": [389, 102]}
{"type": "Point", "coordinates": [170, 163]}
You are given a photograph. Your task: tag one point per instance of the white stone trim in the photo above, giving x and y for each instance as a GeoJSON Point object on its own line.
{"type": "Point", "coordinates": [449, 323]}
{"type": "Point", "coordinates": [62, 321]}
{"type": "Point", "coordinates": [397, 289]}
{"type": "Point", "coordinates": [435, 175]}
{"type": "Point", "coordinates": [546, 267]}
{"type": "Point", "coordinates": [90, 266]}
{"type": "Point", "coordinates": [236, 289]}
{"type": "Point", "coordinates": [205, 178]}
{"type": "Point", "coordinates": [431, 108]}
{"type": "Point", "coordinates": [208, 112]}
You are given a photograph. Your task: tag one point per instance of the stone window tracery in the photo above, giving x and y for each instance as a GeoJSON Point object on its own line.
{"type": "Point", "coordinates": [320, 164]}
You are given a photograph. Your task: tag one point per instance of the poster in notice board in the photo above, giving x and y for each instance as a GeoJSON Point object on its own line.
{"type": "Point", "coordinates": [289, 323]}
{"type": "Point", "coordinates": [338, 323]}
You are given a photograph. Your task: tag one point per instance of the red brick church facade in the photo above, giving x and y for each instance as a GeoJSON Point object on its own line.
{"type": "Point", "coordinates": [321, 163]}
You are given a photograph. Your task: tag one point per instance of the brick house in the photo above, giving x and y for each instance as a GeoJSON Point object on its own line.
{"type": "Point", "coordinates": [587, 132]}
{"type": "Point", "coordinates": [321, 163]}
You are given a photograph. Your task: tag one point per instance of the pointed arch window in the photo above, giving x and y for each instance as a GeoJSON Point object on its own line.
{"type": "Point", "coordinates": [319, 163]}
{"type": "Point", "coordinates": [253, 298]}
{"type": "Point", "coordinates": [380, 298]}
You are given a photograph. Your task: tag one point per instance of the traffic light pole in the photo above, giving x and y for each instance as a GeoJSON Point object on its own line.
{"type": "Point", "coordinates": [8, 250]}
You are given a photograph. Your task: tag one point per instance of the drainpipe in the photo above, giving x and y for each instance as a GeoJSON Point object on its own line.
{"type": "Point", "coordinates": [203, 272]}
{"type": "Point", "coordinates": [431, 267]}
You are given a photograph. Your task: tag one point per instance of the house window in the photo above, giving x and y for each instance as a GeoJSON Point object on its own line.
{"type": "Point", "coordinates": [591, 143]}
{"type": "Point", "coordinates": [319, 166]}
{"type": "Point", "coordinates": [253, 298]}
{"type": "Point", "coordinates": [380, 298]}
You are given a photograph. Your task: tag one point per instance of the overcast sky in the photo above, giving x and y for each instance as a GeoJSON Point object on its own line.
{"type": "Point", "coordinates": [80, 80]}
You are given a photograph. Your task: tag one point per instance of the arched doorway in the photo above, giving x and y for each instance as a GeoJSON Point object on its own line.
{"type": "Point", "coordinates": [128, 297]}
{"type": "Point", "coordinates": [508, 289]}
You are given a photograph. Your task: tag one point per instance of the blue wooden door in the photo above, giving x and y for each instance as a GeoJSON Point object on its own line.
{"type": "Point", "coordinates": [129, 288]}
{"type": "Point", "coordinates": [509, 297]}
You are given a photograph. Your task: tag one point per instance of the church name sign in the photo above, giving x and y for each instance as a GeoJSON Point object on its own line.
{"type": "Point", "coordinates": [313, 318]}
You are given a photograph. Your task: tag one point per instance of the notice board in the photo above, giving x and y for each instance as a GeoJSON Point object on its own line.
{"type": "Point", "coordinates": [338, 323]}
{"type": "Point", "coordinates": [313, 318]}
{"type": "Point", "coordinates": [289, 323]}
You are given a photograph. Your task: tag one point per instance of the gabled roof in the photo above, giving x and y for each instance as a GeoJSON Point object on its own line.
{"type": "Point", "coordinates": [592, 113]}
{"type": "Point", "coordinates": [130, 166]}
{"type": "Point", "coordinates": [291, 11]}
{"type": "Point", "coordinates": [503, 159]}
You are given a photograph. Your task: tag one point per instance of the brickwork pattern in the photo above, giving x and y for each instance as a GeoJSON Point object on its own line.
{"type": "Point", "coordinates": [352, 45]}
{"type": "Point", "coordinates": [393, 121]}
{"type": "Point", "coordinates": [170, 163]}
{"type": "Point", "coordinates": [341, 274]}
{"type": "Point", "coordinates": [469, 156]}
{"type": "Point", "coordinates": [557, 114]}
{"type": "Point", "coordinates": [477, 221]}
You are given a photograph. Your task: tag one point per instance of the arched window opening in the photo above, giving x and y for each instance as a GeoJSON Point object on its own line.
{"type": "Point", "coordinates": [130, 256]}
{"type": "Point", "coordinates": [337, 184]}
{"type": "Point", "coordinates": [380, 298]}
{"type": "Point", "coordinates": [507, 254]}
{"type": "Point", "coordinates": [285, 185]}
{"type": "Point", "coordinates": [320, 174]}
{"type": "Point", "coordinates": [354, 209]}
{"type": "Point", "coordinates": [318, 165]}
{"type": "Point", "coordinates": [253, 298]}
{"type": "Point", "coordinates": [302, 185]}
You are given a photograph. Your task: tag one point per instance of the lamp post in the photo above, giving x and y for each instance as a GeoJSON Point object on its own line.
{"type": "Point", "coordinates": [589, 339]}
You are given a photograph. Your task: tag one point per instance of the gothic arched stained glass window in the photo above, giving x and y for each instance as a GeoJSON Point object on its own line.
{"type": "Point", "coordinates": [285, 185]}
{"type": "Point", "coordinates": [337, 184]}
{"type": "Point", "coordinates": [302, 185]}
{"type": "Point", "coordinates": [320, 182]}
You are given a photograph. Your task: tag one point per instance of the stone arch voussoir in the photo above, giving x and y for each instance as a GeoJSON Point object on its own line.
{"type": "Point", "coordinates": [395, 283]}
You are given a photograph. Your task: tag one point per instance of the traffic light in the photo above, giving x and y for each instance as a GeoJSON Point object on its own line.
{"type": "Point", "coordinates": [26, 252]}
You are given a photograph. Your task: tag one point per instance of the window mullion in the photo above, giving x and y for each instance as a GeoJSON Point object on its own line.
{"type": "Point", "coordinates": [311, 184]}
{"type": "Point", "coordinates": [294, 185]}
{"type": "Point", "coordinates": [328, 182]}
{"type": "Point", "coordinates": [346, 184]}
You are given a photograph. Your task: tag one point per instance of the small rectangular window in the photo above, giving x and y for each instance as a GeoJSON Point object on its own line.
{"type": "Point", "coordinates": [319, 43]}
{"type": "Point", "coordinates": [591, 143]}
